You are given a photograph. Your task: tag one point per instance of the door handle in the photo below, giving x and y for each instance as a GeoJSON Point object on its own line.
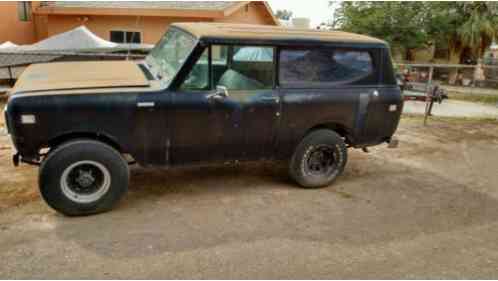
{"type": "Point", "coordinates": [146, 104]}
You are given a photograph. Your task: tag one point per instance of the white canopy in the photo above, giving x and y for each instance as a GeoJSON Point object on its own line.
{"type": "Point", "coordinates": [8, 45]}
{"type": "Point", "coordinates": [79, 38]}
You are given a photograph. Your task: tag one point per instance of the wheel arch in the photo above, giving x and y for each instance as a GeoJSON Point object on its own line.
{"type": "Point", "coordinates": [340, 129]}
{"type": "Point", "coordinates": [102, 137]}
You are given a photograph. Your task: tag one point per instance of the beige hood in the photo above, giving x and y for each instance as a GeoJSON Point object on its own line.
{"type": "Point", "coordinates": [80, 75]}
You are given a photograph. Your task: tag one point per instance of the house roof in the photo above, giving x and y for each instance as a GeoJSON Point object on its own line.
{"type": "Point", "coordinates": [168, 5]}
{"type": "Point", "coordinates": [191, 9]}
{"type": "Point", "coordinates": [265, 33]}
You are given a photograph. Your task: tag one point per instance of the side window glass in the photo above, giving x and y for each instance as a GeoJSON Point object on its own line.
{"type": "Point", "coordinates": [219, 62]}
{"type": "Point", "coordinates": [198, 78]}
{"type": "Point", "coordinates": [247, 68]}
{"type": "Point", "coordinates": [354, 64]}
{"type": "Point", "coordinates": [219, 54]}
{"type": "Point", "coordinates": [324, 66]}
{"type": "Point", "coordinates": [253, 54]}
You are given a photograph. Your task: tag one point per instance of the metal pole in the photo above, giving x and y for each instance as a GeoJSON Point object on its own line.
{"type": "Point", "coordinates": [11, 78]}
{"type": "Point", "coordinates": [428, 98]}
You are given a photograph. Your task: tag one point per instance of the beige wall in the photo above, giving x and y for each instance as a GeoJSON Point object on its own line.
{"type": "Point", "coordinates": [11, 28]}
{"type": "Point", "coordinates": [151, 27]}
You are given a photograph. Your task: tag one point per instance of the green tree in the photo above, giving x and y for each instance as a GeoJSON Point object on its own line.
{"type": "Point", "coordinates": [463, 25]}
{"type": "Point", "coordinates": [399, 23]}
{"type": "Point", "coordinates": [284, 14]}
{"type": "Point", "coordinates": [458, 25]}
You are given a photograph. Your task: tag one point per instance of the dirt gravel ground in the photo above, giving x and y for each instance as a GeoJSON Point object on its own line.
{"type": "Point", "coordinates": [426, 210]}
{"type": "Point", "coordinates": [454, 108]}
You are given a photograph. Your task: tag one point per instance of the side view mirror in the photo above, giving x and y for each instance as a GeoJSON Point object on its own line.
{"type": "Point", "coordinates": [221, 93]}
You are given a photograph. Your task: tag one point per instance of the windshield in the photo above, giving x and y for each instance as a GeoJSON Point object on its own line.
{"type": "Point", "coordinates": [168, 56]}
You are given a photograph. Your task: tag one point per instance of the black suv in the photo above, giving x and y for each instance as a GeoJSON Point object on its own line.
{"type": "Point", "coordinates": [207, 93]}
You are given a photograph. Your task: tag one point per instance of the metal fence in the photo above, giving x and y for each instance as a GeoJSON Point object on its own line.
{"type": "Point", "coordinates": [458, 78]}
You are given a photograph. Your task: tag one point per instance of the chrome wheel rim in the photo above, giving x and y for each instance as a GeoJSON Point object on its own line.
{"type": "Point", "coordinates": [85, 181]}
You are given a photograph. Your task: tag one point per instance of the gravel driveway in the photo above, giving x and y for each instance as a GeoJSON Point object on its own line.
{"type": "Point", "coordinates": [426, 210]}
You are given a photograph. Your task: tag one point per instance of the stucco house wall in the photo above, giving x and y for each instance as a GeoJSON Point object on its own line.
{"type": "Point", "coordinates": [151, 27]}
{"type": "Point", "coordinates": [11, 28]}
{"type": "Point", "coordinates": [152, 24]}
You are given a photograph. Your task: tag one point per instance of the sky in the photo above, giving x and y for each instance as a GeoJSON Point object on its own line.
{"type": "Point", "coordinates": [317, 11]}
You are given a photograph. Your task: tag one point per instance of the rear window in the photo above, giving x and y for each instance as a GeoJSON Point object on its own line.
{"type": "Point", "coordinates": [325, 67]}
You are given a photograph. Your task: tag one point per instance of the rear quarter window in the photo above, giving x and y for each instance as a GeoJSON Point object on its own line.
{"type": "Point", "coordinates": [325, 67]}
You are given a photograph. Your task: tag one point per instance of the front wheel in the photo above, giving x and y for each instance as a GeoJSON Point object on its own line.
{"type": "Point", "coordinates": [319, 159]}
{"type": "Point", "coordinates": [83, 177]}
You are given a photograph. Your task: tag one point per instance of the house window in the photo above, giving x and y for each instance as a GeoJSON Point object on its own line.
{"type": "Point", "coordinates": [126, 36]}
{"type": "Point", "coordinates": [24, 10]}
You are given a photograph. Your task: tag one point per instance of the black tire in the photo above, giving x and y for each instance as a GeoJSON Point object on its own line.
{"type": "Point", "coordinates": [307, 157]}
{"type": "Point", "coordinates": [60, 184]}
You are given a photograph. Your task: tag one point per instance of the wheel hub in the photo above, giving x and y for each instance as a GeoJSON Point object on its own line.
{"type": "Point", "coordinates": [85, 178]}
{"type": "Point", "coordinates": [321, 160]}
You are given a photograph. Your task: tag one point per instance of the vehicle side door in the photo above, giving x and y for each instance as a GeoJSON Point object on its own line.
{"type": "Point", "coordinates": [201, 119]}
{"type": "Point", "coordinates": [227, 108]}
{"type": "Point", "coordinates": [250, 82]}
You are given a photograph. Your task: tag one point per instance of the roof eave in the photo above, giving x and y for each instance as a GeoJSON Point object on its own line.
{"type": "Point", "coordinates": [179, 13]}
{"type": "Point", "coordinates": [234, 8]}
{"type": "Point", "coordinates": [272, 15]}
{"type": "Point", "coordinates": [238, 5]}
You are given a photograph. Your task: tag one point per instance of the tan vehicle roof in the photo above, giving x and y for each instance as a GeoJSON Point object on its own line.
{"type": "Point", "coordinates": [271, 33]}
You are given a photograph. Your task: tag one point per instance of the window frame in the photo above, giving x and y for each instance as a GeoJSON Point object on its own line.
{"type": "Point", "coordinates": [191, 68]}
{"type": "Point", "coordinates": [374, 53]}
{"type": "Point", "coordinates": [125, 32]}
{"type": "Point", "coordinates": [229, 62]}
{"type": "Point", "coordinates": [24, 11]}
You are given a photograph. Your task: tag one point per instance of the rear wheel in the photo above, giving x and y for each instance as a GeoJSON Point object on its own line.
{"type": "Point", "coordinates": [83, 177]}
{"type": "Point", "coordinates": [319, 159]}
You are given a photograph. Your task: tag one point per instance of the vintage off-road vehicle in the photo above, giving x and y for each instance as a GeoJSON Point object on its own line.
{"type": "Point", "coordinates": [207, 93]}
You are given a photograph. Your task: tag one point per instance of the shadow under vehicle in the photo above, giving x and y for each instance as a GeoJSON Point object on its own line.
{"type": "Point", "coordinates": [207, 93]}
